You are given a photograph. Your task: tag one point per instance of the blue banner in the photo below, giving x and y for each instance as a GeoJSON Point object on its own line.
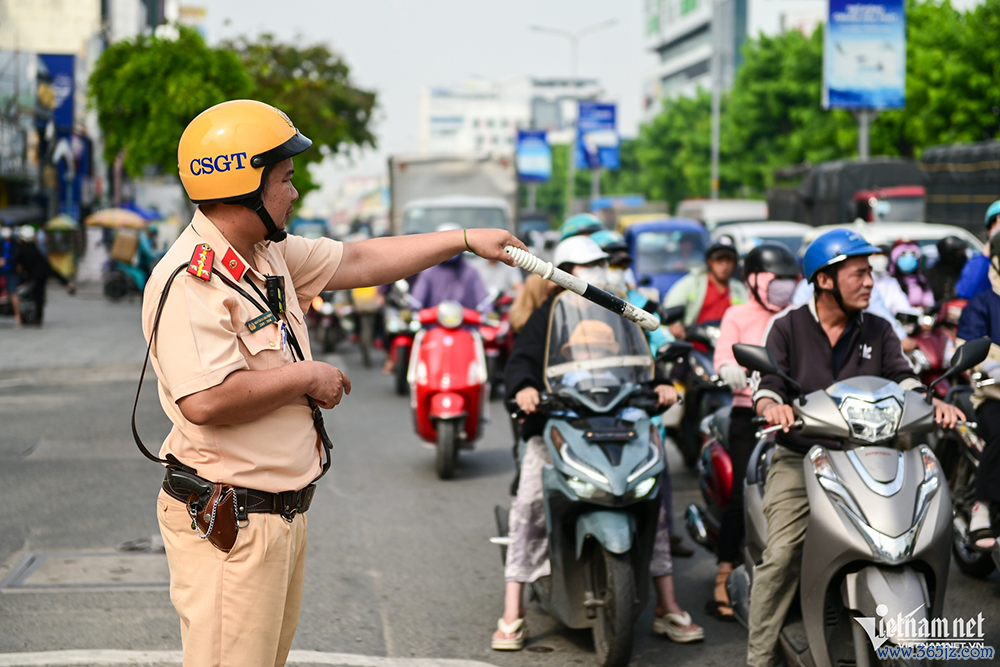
{"type": "Point", "coordinates": [596, 136]}
{"type": "Point", "coordinates": [534, 156]}
{"type": "Point", "coordinates": [61, 70]}
{"type": "Point", "coordinates": [864, 55]}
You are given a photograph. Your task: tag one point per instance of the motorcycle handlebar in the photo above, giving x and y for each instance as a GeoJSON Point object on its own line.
{"type": "Point", "coordinates": [774, 429]}
{"type": "Point", "coordinates": [645, 400]}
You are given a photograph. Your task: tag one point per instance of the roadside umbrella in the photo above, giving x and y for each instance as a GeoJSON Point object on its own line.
{"type": "Point", "coordinates": [62, 223]}
{"type": "Point", "coordinates": [116, 217]}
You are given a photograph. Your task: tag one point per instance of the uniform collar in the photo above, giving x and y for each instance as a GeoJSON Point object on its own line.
{"type": "Point", "coordinates": [230, 262]}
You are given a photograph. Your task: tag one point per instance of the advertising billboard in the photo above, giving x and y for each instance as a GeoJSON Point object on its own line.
{"type": "Point", "coordinates": [596, 136]}
{"type": "Point", "coordinates": [864, 55]}
{"type": "Point", "coordinates": [61, 79]}
{"type": "Point", "coordinates": [534, 156]}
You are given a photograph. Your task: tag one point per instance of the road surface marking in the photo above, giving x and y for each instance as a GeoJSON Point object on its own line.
{"type": "Point", "coordinates": [113, 657]}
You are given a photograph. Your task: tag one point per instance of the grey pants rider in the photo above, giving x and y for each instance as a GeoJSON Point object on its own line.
{"type": "Point", "coordinates": [528, 552]}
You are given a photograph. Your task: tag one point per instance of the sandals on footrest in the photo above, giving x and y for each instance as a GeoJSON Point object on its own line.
{"type": "Point", "coordinates": [679, 628]}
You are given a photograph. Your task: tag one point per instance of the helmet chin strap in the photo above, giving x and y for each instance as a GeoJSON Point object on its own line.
{"type": "Point", "coordinates": [256, 204]}
{"type": "Point", "coordinates": [838, 297]}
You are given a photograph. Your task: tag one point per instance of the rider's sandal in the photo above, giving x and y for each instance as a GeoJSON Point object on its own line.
{"type": "Point", "coordinates": [513, 643]}
{"type": "Point", "coordinates": [981, 535]}
{"type": "Point", "coordinates": [678, 628]}
{"type": "Point", "coordinates": [720, 610]}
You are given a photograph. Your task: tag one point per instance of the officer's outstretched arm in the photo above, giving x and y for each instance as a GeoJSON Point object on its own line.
{"type": "Point", "coordinates": [384, 260]}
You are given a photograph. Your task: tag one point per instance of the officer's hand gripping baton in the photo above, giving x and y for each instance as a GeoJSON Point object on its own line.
{"type": "Point", "coordinates": [529, 262]}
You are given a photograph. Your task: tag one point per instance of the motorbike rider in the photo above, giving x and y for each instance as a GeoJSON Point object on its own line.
{"type": "Point", "coordinates": [37, 270]}
{"type": "Point", "coordinates": [904, 264]}
{"type": "Point", "coordinates": [454, 279]}
{"type": "Point", "coordinates": [527, 555]}
{"type": "Point", "coordinates": [975, 274]}
{"type": "Point", "coordinates": [536, 289]}
{"type": "Point", "coordinates": [707, 293]}
{"type": "Point", "coordinates": [815, 344]}
{"type": "Point", "coordinates": [944, 275]}
{"type": "Point", "coordinates": [981, 317]}
{"type": "Point", "coordinates": [771, 273]}
{"type": "Point", "coordinates": [622, 280]}
{"type": "Point", "coordinates": [8, 270]}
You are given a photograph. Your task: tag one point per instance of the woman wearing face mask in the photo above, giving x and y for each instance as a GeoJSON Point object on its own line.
{"type": "Point", "coordinates": [772, 274]}
{"type": "Point", "coordinates": [905, 260]}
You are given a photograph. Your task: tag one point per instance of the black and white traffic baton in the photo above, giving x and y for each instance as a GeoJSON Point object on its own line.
{"type": "Point", "coordinates": [529, 262]}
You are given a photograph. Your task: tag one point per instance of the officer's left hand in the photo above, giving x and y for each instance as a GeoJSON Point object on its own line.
{"type": "Point", "coordinates": [665, 394]}
{"type": "Point", "coordinates": [946, 415]}
{"type": "Point", "coordinates": [489, 244]}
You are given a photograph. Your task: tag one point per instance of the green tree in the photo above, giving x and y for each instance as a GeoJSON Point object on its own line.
{"type": "Point", "coordinates": [312, 85]}
{"type": "Point", "coordinates": [146, 90]}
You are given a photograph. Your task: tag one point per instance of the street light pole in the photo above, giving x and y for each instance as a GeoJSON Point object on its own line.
{"type": "Point", "coordinates": [574, 40]}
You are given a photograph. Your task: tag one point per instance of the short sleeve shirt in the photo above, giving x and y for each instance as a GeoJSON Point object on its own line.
{"type": "Point", "coordinates": [203, 336]}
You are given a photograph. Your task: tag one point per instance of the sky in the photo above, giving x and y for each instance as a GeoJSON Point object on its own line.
{"type": "Point", "coordinates": [397, 47]}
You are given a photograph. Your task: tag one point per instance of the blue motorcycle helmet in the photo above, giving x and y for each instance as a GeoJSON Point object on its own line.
{"type": "Point", "coordinates": [610, 241]}
{"type": "Point", "coordinates": [992, 212]}
{"type": "Point", "coordinates": [830, 249]}
{"type": "Point", "coordinates": [581, 223]}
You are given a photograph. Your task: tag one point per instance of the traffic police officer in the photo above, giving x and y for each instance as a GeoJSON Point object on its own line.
{"type": "Point", "coordinates": [224, 312]}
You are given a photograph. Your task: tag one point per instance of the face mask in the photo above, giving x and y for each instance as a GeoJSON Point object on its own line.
{"type": "Point", "coordinates": [780, 291]}
{"type": "Point", "coordinates": [907, 263]}
{"type": "Point", "coordinates": [616, 278]}
{"type": "Point", "coordinates": [880, 263]}
{"type": "Point", "coordinates": [595, 275]}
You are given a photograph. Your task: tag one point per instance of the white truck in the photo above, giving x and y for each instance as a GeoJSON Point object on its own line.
{"type": "Point", "coordinates": [467, 190]}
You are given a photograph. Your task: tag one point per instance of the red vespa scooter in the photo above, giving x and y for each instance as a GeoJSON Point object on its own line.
{"type": "Point", "coordinates": [449, 389]}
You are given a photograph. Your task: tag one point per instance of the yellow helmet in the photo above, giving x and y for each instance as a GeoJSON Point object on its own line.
{"type": "Point", "coordinates": [224, 151]}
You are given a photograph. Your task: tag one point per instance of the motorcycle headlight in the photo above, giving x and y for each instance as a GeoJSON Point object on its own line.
{"type": "Point", "coordinates": [576, 464]}
{"type": "Point", "coordinates": [871, 422]}
{"type": "Point", "coordinates": [643, 488]}
{"type": "Point", "coordinates": [449, 314]}
{"type": "Point", "coordinates": [414, 326]}
{"type": "Point", "coordinates": [828, 478]}
{"type": "Point", "coordinates": [652, 458]}
{"type": "Point", "coordinates": [326, 308]}
{"type": "Point", "coordinates": [583, 489]}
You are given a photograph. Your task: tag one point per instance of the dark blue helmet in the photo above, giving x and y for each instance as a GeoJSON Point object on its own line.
{"type": "Point", "coordinates": [834, 247]}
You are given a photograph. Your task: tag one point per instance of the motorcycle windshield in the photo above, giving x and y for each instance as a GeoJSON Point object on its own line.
{"type": "Point", "coordinates": [593, 351]}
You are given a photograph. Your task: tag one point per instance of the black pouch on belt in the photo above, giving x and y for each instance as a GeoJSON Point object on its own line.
{"type": "Point", "coordinates": [212, 507]}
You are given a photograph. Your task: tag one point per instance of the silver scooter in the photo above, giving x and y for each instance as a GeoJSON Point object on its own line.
{"type": "Point", "coordinates": [880, 521]}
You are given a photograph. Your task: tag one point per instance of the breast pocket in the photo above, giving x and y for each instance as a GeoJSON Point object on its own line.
{"type": "Point", "coordinates": [263, 347]}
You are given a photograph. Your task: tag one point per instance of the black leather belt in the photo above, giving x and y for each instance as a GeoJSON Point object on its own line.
{"type": "Point", "coordinates": [251, 501]}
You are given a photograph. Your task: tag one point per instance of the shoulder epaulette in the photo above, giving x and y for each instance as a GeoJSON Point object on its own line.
{"type": "Point", "coordinates": [200, 265]}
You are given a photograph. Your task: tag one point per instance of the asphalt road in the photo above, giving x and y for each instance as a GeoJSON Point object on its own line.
{"type": "Point", "coordinates": [399, 563]}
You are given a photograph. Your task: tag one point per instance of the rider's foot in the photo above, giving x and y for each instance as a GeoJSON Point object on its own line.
{"type": "Point", "coordinates": [980, 533]}
{"type": "Point", "coordinates": [720, 607]}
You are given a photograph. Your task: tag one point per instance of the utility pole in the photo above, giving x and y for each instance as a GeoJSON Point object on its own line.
{"type": "Point", "coordinates": [574, 39]}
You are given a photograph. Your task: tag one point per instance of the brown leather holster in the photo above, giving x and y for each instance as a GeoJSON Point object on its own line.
{"type": "Point", "coordinates": [217, 519]}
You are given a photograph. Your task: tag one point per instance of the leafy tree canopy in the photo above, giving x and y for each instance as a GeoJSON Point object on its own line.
{"type": "Point", "coordinates": [313, 86]}
{"type": "Point", "coordinates": [146, 90]}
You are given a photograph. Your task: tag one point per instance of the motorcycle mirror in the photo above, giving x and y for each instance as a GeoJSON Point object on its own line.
{"type": "Point", "coordinates": [674, 350]}
{"type": "Point", "coordinates": [673, 314]}
{"type": "Point", "coordinates": [760, 359]}
{"type": "Point", "coordinates": [972, 353]}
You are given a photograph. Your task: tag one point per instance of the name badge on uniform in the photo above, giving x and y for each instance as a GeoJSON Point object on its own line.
{"type": "Point", "coordinates": [258, 323]}
{"type": "Point", "coordinates": [200, 265]}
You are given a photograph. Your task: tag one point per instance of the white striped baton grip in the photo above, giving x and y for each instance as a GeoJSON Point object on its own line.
{"type": "Point", "coordinates": [529, 262]}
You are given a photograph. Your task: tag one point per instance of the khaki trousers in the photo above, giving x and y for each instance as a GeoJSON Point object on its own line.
{"type": "Point", "coordinates": [776, 579]}
{"type": "Point", "coordinates": [240, 608]}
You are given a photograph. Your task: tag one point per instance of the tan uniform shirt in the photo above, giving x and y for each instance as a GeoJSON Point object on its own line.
{"type": "Point", "coordinates": [203, 337]}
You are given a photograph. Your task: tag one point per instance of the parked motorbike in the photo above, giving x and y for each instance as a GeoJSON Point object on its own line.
{"type": "Point", "coordinates": [122, 279]}
{"type": "Point", "coordinates": [401, 327]}
{"type": "Point", "coordinates": [449, 389]}
{"type": "Point", "coordinates": [601, 492]}
{"type": "Point", "coordinates": [880, 519]}
{"type": "Point", "coordinates": [703, 390]}
{"type": "Point", "coordinates": [959, 452]}
{"type": "Point", "coordinates": [324, 322]}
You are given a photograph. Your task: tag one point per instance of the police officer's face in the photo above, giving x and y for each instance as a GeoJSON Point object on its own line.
{"type": "Point", "coordinates": [279, 193]}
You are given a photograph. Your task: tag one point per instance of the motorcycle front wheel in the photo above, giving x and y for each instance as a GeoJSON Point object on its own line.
{"type": "Point", "coordinates": [612, 580]}
{"type": "Point", "coordinates": [447, 448]}
{"type": "Point", "coordinates": [116, 286]}
{"type": "Point", "coordinates": [971, 561]}
{"type": "Point", "coordinates": [402, 362]}
{"type": "Point", "coordinates": [366, 335]}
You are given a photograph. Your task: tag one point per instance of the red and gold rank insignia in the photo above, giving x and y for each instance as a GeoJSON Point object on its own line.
{"type": "Point", "coordinates": [233, 264]}
{"type": "Point", "coordinates": [201, 262]}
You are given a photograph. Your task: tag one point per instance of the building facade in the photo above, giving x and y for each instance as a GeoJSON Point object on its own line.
{"type": "Point", "coordinates": [681, 33]}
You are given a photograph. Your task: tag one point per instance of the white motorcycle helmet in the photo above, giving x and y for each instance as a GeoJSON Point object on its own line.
{"type": "Point", "coordinates": [577, 250]}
